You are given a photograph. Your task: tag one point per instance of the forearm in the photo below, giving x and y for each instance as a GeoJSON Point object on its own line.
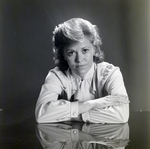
{"type": "Point", "coordinates": [111, 114]}
{"type": "Point", "coordinates": [111, 100]}
{"type": "Point", "coordinates": [109, 109]}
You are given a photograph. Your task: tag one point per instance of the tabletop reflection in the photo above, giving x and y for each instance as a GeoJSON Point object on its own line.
{"type": "Point", "coordinates": [83, 136]}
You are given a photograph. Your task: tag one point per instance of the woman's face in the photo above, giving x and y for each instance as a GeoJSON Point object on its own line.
{"type": "Point", "coordinates": [79, 56]}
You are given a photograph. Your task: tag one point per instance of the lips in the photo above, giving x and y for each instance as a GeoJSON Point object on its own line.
{"type": "Point", "coordinates": [80, 65]}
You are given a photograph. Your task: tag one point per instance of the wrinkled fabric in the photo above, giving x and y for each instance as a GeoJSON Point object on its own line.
{"type": "Point", "coordinates": [103, 82]}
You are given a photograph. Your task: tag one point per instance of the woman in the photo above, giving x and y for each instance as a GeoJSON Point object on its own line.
{"type": "Point", "coordinates": [82, 87]}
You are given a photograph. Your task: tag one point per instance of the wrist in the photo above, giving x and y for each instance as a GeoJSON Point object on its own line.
{"type": "Point", "coordinates": [91, 104]}
{"type": "Point", "coordinates": [85, 106]}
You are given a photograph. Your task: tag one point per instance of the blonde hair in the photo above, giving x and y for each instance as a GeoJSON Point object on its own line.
{"type": "Point", "coordinates": [71, 31]}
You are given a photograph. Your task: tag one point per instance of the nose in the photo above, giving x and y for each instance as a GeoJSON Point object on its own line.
{"type": "Point", "coordinates": [78, 58]}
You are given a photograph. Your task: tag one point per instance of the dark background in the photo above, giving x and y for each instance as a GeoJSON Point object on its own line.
{"type": "Point", "coordinates": [26, 49]}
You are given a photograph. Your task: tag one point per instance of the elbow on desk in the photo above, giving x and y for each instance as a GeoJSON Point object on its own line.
{"type": "Point", "coordinates": [42, 119]}
{"type": "Point", "coordinates": [38, 121]}
{"type": "Point", "coordinates": [124, 114]}
{"type": "Point", "coordinates": [41, 116]}
{"type": "Point", "coordinates": [124, 119]}
{"type": "Point", "coordinates": [38, 118]}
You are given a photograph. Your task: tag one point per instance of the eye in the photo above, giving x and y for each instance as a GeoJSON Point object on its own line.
{"type": "Point", "coordinates": [70, 53]}
{"type": "Point", "coordinates": [84, 51]}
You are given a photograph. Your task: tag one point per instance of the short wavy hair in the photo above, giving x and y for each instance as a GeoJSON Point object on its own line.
{"type": "Point", "coordinates": [71, 31]}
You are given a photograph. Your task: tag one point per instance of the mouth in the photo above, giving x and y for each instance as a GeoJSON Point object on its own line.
{"type": "Point", "coordinates": [80, 66]}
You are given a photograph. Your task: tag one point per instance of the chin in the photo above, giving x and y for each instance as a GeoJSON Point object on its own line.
{"type": "Point", "coordinates": [81, 74]}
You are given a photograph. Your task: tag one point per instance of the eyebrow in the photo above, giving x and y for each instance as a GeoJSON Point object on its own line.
{"type": "Point", "coordinates": [69, 50]}
{"type": "Point", "coordinates": [85, 47]}
{"type": "Point", "coordinates": [75, 50]}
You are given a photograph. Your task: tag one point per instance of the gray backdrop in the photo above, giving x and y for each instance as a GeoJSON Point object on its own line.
{"type": "Point", "coordinates": [26, 50]}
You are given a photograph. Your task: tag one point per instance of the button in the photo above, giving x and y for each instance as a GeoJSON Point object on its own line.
{"type": "Point", "coordinates": [74, 114]}
{"type": "Point", "coordinates": [62, 102]}
{"type": "Point", "coordinates": [74, 131]}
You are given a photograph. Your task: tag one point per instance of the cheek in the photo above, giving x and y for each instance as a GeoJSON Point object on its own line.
{"type": "Point", "coordinates": [71, 64]}
{"type": "Point", "coordinates": [70, 61]}
{"type": "Point", "coordinates": [90, 57]}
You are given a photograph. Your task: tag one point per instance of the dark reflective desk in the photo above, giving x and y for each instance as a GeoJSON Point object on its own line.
{"type": "Point", "coordinates": [27, 134]}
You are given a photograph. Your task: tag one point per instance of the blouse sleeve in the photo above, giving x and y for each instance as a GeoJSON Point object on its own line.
{"type": "Point", "coordinates": [49, 108]}
{"type": "Point", "coordinates": [114, 86]}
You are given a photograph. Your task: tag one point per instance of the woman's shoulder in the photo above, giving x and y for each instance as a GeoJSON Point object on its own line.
{"type": "Point", "coordinates": [56, 71]}
{"type": "Point", "coordinates": [105, 69]}
{"type": "Point", "coordinates": [103, 66]}
{"type": "Point", "coordinates": [57, 75]}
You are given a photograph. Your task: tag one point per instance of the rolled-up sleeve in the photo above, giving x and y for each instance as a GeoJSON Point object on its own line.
{"type": "Point", "coordinates": [49, 108]}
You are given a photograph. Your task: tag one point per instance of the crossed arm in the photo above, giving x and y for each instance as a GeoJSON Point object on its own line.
{"type": "Point", "coordinates": [113, 108]}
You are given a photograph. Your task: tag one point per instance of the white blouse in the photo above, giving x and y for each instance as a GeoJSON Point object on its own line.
{"type": "Point", "coordinates": [102, 82]}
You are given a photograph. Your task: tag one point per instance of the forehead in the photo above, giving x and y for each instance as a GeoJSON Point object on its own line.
{"type": "Point", "coordinates": [85, 42]}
